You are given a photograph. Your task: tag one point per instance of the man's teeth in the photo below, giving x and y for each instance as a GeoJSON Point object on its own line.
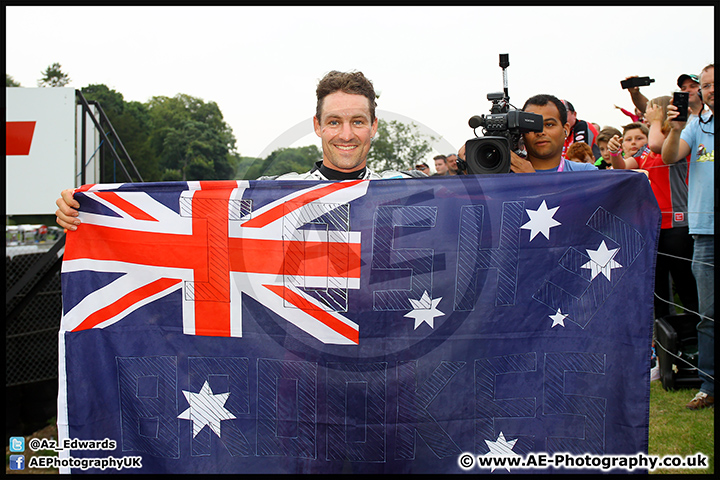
{"type": "Point", "coordinates": [346, 147]}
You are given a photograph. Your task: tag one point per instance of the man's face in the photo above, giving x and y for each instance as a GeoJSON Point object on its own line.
{"type": "Point", "coordinates": [346, 131]}
{"type": "Point", "coordinates": [707, 83]}
{"type": "Point", "coordinates": [440, 166]}
{"type": "Point", "coordinates": [571, 118]}
{"type": "Point", "coordinates": [692, 87]}
{"type": "Point", "coordinates": [547, 144]}
{"type": "Point", "coordinates": [633, 140]}
{"type": "Point", "coordinates": [452, 163]}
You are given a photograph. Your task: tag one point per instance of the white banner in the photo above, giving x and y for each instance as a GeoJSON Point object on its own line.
{"type": "Point", "coordinates": [39, 148]}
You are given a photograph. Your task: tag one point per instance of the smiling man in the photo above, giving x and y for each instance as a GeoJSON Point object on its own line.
{"type": "Point", "coordinates": [544, 149]}
{"type": "Point", "coordinates": [344, 120]}
{"type": "Point", "coordinates": [346, 128]}
{"type": "Point", "coordinates": [346, 123]}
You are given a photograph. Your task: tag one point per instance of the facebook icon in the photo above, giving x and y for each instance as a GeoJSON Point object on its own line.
{"type": "Point", "coordinates": [17, 462]}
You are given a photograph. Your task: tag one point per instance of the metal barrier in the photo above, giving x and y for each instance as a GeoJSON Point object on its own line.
{"type": "Point", "coordinates": [33, 310]}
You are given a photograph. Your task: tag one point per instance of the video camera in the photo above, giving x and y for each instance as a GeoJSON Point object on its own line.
{"type": "Point", "coordinates": [502, 133]}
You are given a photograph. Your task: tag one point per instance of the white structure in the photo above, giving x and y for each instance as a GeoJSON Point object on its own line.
{"type": "Point", "coordinates": [42, 138]}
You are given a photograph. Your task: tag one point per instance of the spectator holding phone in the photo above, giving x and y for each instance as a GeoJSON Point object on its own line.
{"type": "Point", "coordinates": [633, 88]}
{"type": "Point", "coordinates": [685, 82]}
{"type": "Point", "coordinates": [690, 83]}
{"type": "Point", "coordinates": [697, 139]}
{"type": "Point", "coordinates": [669, 185]}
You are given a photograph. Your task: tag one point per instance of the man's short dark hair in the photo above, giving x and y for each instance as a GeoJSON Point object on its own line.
{"type": "Point", "coordinates": [440, 157]}
{"type": "Point", "coordinates": [354, 83]}
{"type": "Point", "coordinates": [543, 99]}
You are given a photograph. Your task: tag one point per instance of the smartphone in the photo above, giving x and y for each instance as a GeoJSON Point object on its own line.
{"type": "Point", "coordinates": [636, 82]}
{"type": "Point", "coordinates": [680, 100]}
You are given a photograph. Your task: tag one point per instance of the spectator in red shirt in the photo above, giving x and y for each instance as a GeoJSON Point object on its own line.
{"type": "Point", "coordinates": [669, 184]}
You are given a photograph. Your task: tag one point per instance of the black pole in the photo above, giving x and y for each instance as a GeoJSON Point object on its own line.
{"type": "Point", "coordinates": [86, 107]}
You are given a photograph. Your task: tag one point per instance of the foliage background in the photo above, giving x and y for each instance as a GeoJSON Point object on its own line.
{"type": "Point", "coordinates": [186, 138]}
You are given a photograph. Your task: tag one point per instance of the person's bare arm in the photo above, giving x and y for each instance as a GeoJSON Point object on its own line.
{"type": "Point", "coordinates": [616, 159]}
{"type": "Point", "coordinates": [674, 148]}
{"type": "Point", "coordinates": [638, 99]}
{"type": "Point", "coordinates": [654, 117]}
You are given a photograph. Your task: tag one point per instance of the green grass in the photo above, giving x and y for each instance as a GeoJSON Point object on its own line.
{"type": "Point", "coordinates": [675, 430]}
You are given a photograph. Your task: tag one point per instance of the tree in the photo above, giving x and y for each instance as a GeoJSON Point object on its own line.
{"type": "Point", "coordinates": [131, 121]}
{"type": "Point", "coordinates": [178, 138]}
{"type": "Point", "coordinates": [10, 81]}
{"type": "Point", "coordinates": [242, 165]}
{"type": "Point", "coordinates": [53, 76]}
{"type": "Point", "coordinates": [398, 146]}
{"type": "Point", "coordinates": [133, 128]}
{"type": "Point", "coordinates": [284, 160]}
{"type": "Point", "coordinates": [191, 139]}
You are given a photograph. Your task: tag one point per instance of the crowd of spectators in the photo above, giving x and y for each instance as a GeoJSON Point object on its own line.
{"type": "Point", "coordinates": [678, 159]}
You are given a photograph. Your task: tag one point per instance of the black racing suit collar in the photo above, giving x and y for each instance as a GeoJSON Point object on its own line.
{"type": "Point", "coordinates": [332, 174]}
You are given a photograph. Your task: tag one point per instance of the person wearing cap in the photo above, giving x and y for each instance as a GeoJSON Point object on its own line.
{"type": "Point", "coordinates": [687, 82]}
{"type": "Point", "coordinates": [580, 131]}
{"type": "Point", "coordinates": [423, 167]}
{"type": "Point", "coordinates": [691, 84]}
{"type": "Point", "coordinates": [696, 138]}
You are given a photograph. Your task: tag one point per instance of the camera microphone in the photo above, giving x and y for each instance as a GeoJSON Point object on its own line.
{"type": "Point", "coordinates": [502, 132]}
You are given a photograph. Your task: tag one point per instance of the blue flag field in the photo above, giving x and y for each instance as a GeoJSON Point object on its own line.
{"type": "Point", "coordinates": [386, 326]}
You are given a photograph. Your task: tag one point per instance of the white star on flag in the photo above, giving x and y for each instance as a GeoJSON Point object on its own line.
{"type": "Point", "coordinates": [541, 221]}
{"type": "Point", "coordinates": [602, 261]}
{"type": "Point", "coordinates": [501, 448]}
{"type": "Point", "coordinates": [424, 310]}
{"type": "Point", "coordinates": [558, 318]}
{"type": "Point", "coordinates": [206, 408]}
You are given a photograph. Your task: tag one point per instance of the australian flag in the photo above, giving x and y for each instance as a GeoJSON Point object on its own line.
{"type": "Point", "coordinates": [385, 326]}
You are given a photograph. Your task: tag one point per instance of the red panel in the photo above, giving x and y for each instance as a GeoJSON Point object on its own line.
{"type": "Point", "coordinates": [18, 137]}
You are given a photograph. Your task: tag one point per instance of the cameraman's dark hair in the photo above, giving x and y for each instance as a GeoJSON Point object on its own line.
{"type": "Point", "coordinates": [543, 99]}
{"type": "Point", "coordinates": [348, 82]}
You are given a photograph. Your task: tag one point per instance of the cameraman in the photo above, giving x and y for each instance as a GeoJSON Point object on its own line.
{"type": "Point", "coordinates": [544, 149]}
